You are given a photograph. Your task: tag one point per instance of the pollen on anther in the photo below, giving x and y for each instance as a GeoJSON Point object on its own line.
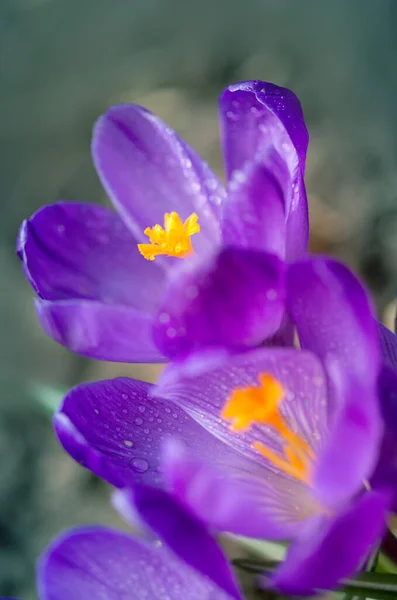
{"type": "Point", "coordinates": [172, 240]}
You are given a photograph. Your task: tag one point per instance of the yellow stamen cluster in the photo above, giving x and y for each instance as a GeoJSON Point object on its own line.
{"type": "Point", "coordinates": [260, 405]}
{"type": "Point", "coordinates": [173, 240]}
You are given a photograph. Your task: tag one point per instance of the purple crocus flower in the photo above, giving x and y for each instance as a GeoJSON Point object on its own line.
{"type": "Point", "coordinates": [100, 275]}
{"type": "Point", "coordinates": [98, 562]}
{"type": "Point", "coordinates": [275, 443]}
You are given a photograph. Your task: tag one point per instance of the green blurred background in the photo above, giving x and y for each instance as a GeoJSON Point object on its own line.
{"type": "Point", "coordinates": [62, 63]}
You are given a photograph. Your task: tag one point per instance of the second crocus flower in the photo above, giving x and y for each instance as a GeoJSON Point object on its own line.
{"type": "Point", "coordinates": [101, 275]}
{"type": "Point", "coordinates": [275, 443]}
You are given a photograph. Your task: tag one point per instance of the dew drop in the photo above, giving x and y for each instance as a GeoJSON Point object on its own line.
{"type": "Point", "coordinates": [271, 294]}
{"type": "Point", "coordinates": [138, 421]}
{"type": "Point", "coordinates": [146, 430]}
{"type": "Point", "coordinates": [212, 184]}
{"type": "Point", "coordinates": [141, 408]}
{"type": "Point", "coordinates": [140, 465]}
{"type": "Point", "coordinates": [231, 115]}
{"type": "Point", "coordinates": [164, 318]}
{"type": "Point", "coordinates": [239, 176]}
{"type": "Point", "coordinates": [128, 443]}
{"type": "Point", "coordinates": [195, 186]}
{"type": "Point", "coordinates": [124, 396]}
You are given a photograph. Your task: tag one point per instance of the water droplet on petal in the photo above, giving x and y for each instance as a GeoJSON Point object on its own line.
{"type": "Point", "coordinates": [128, 443]}
{"type": "Point", "coordinates": [138, 421]}
{"type": "Point", "coordinates": [195, 186]}
{"type": "Point", "coordinates": [124, 396]}
{"type": "Point", "coordinates": [140, 465]}
{"type": "Point", "coordinates": [141, 408]}
{"type": "Point", "coordinates": [271, 294]}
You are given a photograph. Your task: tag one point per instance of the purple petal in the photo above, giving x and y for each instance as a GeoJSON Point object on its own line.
{"type": "Point", "coordinates": [74, 250]}
{"type": "Point", "coordinates": [148, 171]}
{"type": "Point", "coordinates": [385, 473]}
{"type": "Point", "coordinates": [388, 341]}
{"type": "Point", "coordinates": [334, 316]}
{"type": "Point", "coordinates": [350, 456]}
{"type": "Point", "coordinates": [240, 500]}
{"type": "Point", "coordinates": [254, 213]}
{"type": "Point", "coordinates": [333, 549]}
{"type": "Point", "coordinates": [116, 428]}
{"type": "Point", "coordinates": [334, 319]}
{"type": "Point", "coordinates": [96, 562]}
{"type": "Point", "coordinates": [185, 535]}
{"type": "Point", "coordinates": [234, 298]}
{"type": "Point", "coordinates": [257, 114]}
{"type": "Point", "coordinates": [254, 116]}
{"type": "Point", "coordinates": [102, 331]}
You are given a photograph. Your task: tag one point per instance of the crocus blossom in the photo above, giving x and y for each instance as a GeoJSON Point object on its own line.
{"type": "Point", "coordinates": [274, 443]}
{"type": "Point", "coordinates": [100, 275]}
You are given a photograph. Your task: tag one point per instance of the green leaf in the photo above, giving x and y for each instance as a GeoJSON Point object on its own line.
{"type": "Point", "coordinates": [262, 549]}
{"type": "Point", "coordinates": [385, 565]}
{"type": "Point", "coordinates": [47, 397]}
{"type": "Point", "coordinates": [374, 586]}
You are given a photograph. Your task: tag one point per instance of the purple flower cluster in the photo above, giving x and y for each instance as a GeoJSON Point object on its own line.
{"type": "Point", "coordinates": [276, 417]}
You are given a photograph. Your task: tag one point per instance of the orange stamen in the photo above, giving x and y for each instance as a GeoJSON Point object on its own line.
{"type": "Point", "coordinates": [294, 468]}
{"type": "Point", "coordinates": [260, 405]}
{"type": "Point", "coordinates": [173, 240]}
{"type": "Point", "coordinates": [251, 405]}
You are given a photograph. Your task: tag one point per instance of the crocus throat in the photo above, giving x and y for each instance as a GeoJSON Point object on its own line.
{"type": "Point", "coordinates": [260, 405]}
{"type": "Point", "coordinates": [173, 240]}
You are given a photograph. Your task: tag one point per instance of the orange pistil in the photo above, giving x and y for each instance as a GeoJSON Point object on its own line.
{"type": "Point", "coordinates": [260, 405]}
{"type": "Point", "coordinates": [173, 240]}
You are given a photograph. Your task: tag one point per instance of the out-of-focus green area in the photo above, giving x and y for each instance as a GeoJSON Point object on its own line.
{"type": "Point", "coordinates": [63, 62]}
